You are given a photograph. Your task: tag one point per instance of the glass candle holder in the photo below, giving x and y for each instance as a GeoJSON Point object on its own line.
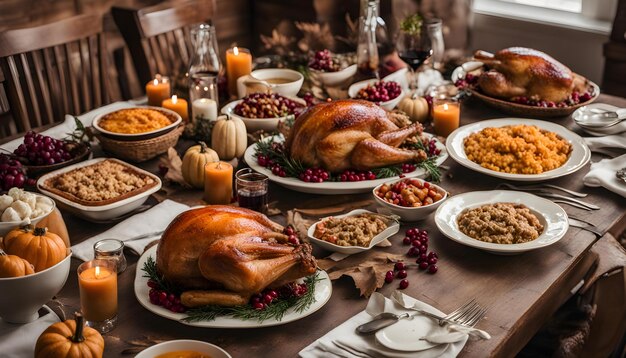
{"type": "Point", "coordinates": [252, 190]}
{"type": "Point", "coordinates": [111, 249]}
{"type": "Point", "coordinates": [204, 99]}
{"type": "Point", "coordinates": [446, 110]}
{"type": "Point", "coordinates": [158, 90]}
{"type": "Point", "coordinates": [97, 283]}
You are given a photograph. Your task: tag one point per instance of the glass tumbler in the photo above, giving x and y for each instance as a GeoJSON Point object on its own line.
{"type": "Point", "coordinates": [252, 190]}
{"type": "Point", "coordinates": [111, 249]}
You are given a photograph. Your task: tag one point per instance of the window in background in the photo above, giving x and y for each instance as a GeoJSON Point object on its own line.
{"type": "Point", "coordinates": [564, 5]}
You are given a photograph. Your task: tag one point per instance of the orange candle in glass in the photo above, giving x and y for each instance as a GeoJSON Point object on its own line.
{"type": "Point", "coordinates": [218, 183]}
{"type": "Point", "coordinates": [446, 117]}
{"type": "Point", "coordinates": [158, 90]}
{"type": "Point", "coordinates": [177, 105]}
{"type": "Point", "coordinates": [97, 282]}
{"type": "Point", "coordinates": [238, 63]}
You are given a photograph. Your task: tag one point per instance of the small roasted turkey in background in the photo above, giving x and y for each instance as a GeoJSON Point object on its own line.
{"type": "Point", "coordinates": [520, 71]}
{"type": "Point", "coordinates": [350, 134]}
{"type": "Point", "coordinates": [225, 254]}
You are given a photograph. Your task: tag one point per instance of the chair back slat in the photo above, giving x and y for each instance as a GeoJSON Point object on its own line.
{"type": "Point", "coordinates": [53, 70]}
{"type": "Point", "coordinates": [158, 38]}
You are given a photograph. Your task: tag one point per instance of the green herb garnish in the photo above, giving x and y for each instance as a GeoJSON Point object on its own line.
{"type": "Point", "coordinates": [412, 25]}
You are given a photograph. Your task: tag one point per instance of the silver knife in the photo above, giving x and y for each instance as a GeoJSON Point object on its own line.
{"type": "Point", "coordinates": [584, 225]}
{"type": "Point", "coordinates": [567, 198]}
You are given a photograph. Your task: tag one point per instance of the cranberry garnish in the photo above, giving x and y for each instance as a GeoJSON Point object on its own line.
{"type": "Point", "coordinates": [400, 266]}
{"type": "Point", "coordinates": [404, 284]}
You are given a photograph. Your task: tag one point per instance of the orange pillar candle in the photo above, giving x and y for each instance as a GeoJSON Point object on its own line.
{"type": "Point", "coordinates": [238, 63]}
{"type": "Point", "coordinates": [218, 183]}
{"type": "Point", "coordinates": [97, 282]}
{"type": "Point", "coordinates": [446, 117]}
{"type": "Point", "coordinates": [177, 105]}
{"type": "Point", "coordinates": [158, 90]}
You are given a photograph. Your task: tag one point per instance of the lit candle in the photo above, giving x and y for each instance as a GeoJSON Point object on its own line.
{"type": "Point", "coordinates": [158, 90]}
{"type": "Point", "coordinates": [446, 118]}
{"type": "Point", "coordinates": [218, 183]}
{"type": "Point", "coordinates": [98, 290]}
{"type": "Point", "coordinates": [204, 108]}
{"type": "Point", "coordinates": [177, 105]}
{"type": "Point", "coordinates": [238, 63]}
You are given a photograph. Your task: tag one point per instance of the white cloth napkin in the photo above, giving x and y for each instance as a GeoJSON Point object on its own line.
{"type": "Point", "coordinates": [618, 128]}
{"type": "Point", "coordinates": [155, 219]}
{"type": "Point", "coordinates": [610, 141]}
{"type": "Point", "coordinates": [603, 172]}
{"type": "Point", "coordinates": [18, 340]}
{"type": "Point", "coordinates": [61, 130]}
{"type": "Point", "coordinates": [346, 334]}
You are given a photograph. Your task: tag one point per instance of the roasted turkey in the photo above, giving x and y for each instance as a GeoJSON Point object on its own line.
{"type": "Point", "coordinates": [224, 254]}
{"type": "Point", "coordinates": [520, 71]}
{"type": "Point", "coordinates": [350, 134]}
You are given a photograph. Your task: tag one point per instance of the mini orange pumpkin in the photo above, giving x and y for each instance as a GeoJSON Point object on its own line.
{"type": "Point", "coordinates": [41, 248]}
{"type": "Point", "coordinates": [70, 339]}
{"type": "Point", "coordinates": [14, 266]}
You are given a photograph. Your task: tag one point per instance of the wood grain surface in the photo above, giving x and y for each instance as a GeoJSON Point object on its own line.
{"type": "Point", "coordinates": [521, 291]}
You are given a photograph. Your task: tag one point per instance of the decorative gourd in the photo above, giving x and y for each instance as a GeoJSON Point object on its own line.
{"type": "Point", "coordinates": [55, 223]}
{"type": "Point", "coordinates": [229, 138]}
{"type": "Point", "coordinates": [38, 246]}
{"type": "Point", "coordinates": [416, 108]}
{"type": "Point", "coordinates": [14, 266]}
{"type": "Point", "coordinates": [194, 160]}
{"type": "Point", "coordinates": [70, 339]}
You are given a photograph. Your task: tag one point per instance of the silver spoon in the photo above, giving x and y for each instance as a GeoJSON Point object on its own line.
{"type": "Point", "coordinates": [593, 119]}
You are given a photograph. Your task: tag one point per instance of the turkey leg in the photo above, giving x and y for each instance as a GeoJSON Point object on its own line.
{"type": "Point", "coordinates": [371, 153]}
{"type": "Point", "coordinates": [396, 137]}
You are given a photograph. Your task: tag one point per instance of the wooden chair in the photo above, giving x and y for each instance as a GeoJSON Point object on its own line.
{"type": "Point", "coordinates": [51, 70]}
{"type": "Point", "coordinates": [158, 37]}
{"type": "Point", "coordinates": [614, 79]}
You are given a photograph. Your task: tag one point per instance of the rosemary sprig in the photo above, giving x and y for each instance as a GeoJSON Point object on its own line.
{"type": "Point", "coordinates": [387, 172]}
{"type": "Point", "coordinates": [274, 311]}
{"type": "Point", "coordinates": [431, 168]}
{"type": "Point", "coordinates": [278, 154]}
{"type": "Point", "coordinates": [151, 272]}
{"type": "Point", "coordinates": [80, 133]}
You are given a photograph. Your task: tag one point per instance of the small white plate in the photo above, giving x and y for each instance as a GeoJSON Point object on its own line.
{"type": "Point", "coordinates": [552, 217]}
{"type": "Point", "coordinates": [405, 335]}
{"type": "Point", "coordinates": [323, 291]}
{"type": "Point", "coordinates": [329, 187]}
{"type": "Point", "coordinates": [579, 156]}
{"type": "Point", "coordinates": [184, 345]}
{"type": "Point", "coordinates": [391, 230]}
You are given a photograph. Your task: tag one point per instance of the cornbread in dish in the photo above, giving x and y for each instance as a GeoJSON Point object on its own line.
{"type": "Point", "coordinates": [517, 149]}
{"type": "Point", "coordinates": [135, 121]}
{"type": "Point", "coordinates": [102, 183]}
{"type": "Point", "coordinates": [356, 230]}
{"type": "Point", "coordinates": [500, 223]}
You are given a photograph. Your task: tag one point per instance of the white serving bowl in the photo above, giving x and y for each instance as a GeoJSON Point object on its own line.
{"type": "Point", "coordinates": [99, 213]}
{"type": "Point", "coordinates": [22, 297]}
{"type": "Point", "coordinates": [6, 226]}
{"type": "Point", "coordinates": [333, 79]}
{"type": "Point", "coordinates": [389, 105]}
{"type": "Point", "coordinates": [174, 117]}
{"type": "Point", "coordinates": [184, 345]}
{"type": "Point", "coordinates": [410, 213]}
{"type": "Point", "coordinates": [391, 230]}
{"type": "Point", "coordinates": [256, 124]}
{"type": "Point", "coordinates": [286, 89]}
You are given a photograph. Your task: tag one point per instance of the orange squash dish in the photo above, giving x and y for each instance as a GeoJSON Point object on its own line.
{"type": "Point", "coordinates": [135, 121]}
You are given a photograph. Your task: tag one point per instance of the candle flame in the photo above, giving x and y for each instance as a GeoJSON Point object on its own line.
{"type": "Point", "coordinates": [235, 51]}
{"type": "Point", "coordinates": [155, 82]}
{"type": "Point", "coordinates": [445, 106]}
{"type": "Point", "coordinates": [97, 271]}
{"type": "Point", "coordinates": [174, 99]}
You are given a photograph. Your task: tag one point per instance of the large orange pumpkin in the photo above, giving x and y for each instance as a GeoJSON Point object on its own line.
{"type": "Point", "coordinates": [14, 266]}
{"type": "Point", "coordinates": [70, 339]}
{"type": "Point", "coordinates": [41, 248]}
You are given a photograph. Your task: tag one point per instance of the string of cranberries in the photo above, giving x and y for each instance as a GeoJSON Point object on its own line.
{"type": "Point", "coordinates": [168, 301]}
{"type": "Point", "coordinates": [419, 248]}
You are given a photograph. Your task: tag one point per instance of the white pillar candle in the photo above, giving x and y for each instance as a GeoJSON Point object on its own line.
{"type": "Point", "coordinates": [205, 108]}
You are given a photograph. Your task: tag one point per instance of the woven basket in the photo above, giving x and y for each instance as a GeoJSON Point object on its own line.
{"type": "Point", "coordinates": [141, 150]}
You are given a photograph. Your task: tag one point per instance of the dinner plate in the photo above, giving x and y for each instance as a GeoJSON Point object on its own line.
{"type": "Point", "coordinates": [518, 108]}
{"type": "Point", "coordinates": [323, 291]}
{"type": "Point", "coordinates": [391, 230]}
{"type": "Point", "coordinates": [405, 335]}
{"type": "Point", "coordinates": [333, 188]}
{"type": "Point", "coordinates": [579, 156]}
{"type": "Point", "coordinates": [552, 217]}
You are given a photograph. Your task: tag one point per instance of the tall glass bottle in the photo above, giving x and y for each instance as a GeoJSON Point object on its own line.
{"type": "Point", "coordinates": [435, 33]}
{"type": "Point", "coordinates": [367, 50]}
{"type": "Point", "coordinates": [204, 66]}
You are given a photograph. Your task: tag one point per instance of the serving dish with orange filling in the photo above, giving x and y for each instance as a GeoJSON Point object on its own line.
{"type": "Point", "coordinates": [136, 123]}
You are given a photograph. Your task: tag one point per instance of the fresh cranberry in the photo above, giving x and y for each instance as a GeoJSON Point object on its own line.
{"type": "Point", "coordinates": [413, 251]}
{"type": "Point", "coordinates": [432, 260]}
{"type": "Point", "coordinates": [389, 276]}
{"type": "Point", "coordinates": [432, 268]}
{"type": "Point", "coordinates": [406, 241]}
{"type": "Point", "coordinates": [401, 274]}
{"type": "Point", "coordinates": [421, 257]}
{"type": "Point", "coordinates": [404, 284]}
{"type": "Point", "coordinates": [423, 265]}
{"type": "Point", "coordinates": [258, 306]}
{"type": "Point", "coordinates": [400, 266]}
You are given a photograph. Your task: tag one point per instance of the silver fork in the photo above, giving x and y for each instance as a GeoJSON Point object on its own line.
{"type": "Point", "coordinates": [539, 187]}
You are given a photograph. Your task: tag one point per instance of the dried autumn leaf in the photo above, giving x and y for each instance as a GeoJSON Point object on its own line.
{"type": "Point", "coordinates": [174, 165]}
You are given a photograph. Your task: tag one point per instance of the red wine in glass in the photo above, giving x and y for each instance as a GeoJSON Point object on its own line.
{"type": "Point", "coordinates": [253, 199]}
{"type": "Point", "coordinates": [415, 58]}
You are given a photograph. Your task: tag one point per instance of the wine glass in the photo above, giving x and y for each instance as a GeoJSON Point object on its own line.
{"type": "Point", "coordinates": [414, 47]}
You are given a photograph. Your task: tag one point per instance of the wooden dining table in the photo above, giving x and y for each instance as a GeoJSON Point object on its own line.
{"type": "Point", "coordinates": [520, 291]}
